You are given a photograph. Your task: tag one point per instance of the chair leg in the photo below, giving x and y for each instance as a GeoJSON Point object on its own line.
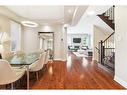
{"type": "Point", "coordinates": [12, 86]}
{"type": "Point", "coordinates": [37, 75]}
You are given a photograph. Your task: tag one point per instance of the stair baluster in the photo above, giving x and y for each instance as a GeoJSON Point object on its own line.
{"type": "Point", "coordinates": [108, 17]}
{"type": "Point", "coordinates": [107, 52]}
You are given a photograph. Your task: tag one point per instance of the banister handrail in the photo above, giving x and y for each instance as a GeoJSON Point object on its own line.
{"type": "Point", "coordinates": [97, 48]}
{"type": "Point", "coordinates": [108, 37]}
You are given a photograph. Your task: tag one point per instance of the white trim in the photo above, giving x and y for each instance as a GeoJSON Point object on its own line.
{"type": "Point", "coordinates": [57, 59]}
{"type": "Point", "coordinates": [64, 60]}
{"type": "Point", "coordinates": [60, 60]}
{"type": "Point", "coordinates": [120, 81]}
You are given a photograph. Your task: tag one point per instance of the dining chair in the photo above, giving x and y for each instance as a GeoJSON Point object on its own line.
{"type": "Point", "coordinates": [7, 54]}
{"type": "Point", "coordinates": [9, 75]}
{"type": "Point", "coordinates": [38, 65]}
{"type": "Point", "coordinates": [41, 50]}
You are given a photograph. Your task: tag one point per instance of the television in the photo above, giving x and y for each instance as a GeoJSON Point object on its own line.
{"type": "Point", "coordinates": [76, 40]}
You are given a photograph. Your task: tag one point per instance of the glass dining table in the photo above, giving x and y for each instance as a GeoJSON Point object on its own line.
{"type": "Point", "coordinates": [20, 60]}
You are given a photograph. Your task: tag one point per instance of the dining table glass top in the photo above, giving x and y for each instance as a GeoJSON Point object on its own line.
{"type": "Point", "coordinates": [23, 59]}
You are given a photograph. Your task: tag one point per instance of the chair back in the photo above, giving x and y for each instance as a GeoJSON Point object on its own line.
{"type": "Point", "coordinates": [7, 54]}
{"type": "Point", "coordinates": [6, 73]}
{"type": "Point", "coordinates": [38, 65]}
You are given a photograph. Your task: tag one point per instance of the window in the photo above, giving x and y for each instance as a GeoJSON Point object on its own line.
{"type": "Point", "coordinates": [15, 36]}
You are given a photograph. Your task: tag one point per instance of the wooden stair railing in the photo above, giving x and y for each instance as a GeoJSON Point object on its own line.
{"type": "Point", "coordinates": [108, 17]}
{"type": "Point", "coordinates": [106, 48]}
{"type": "Point", "coordinates": [106, 51]}
{"type": "Point", "coordinates": [108, 37]}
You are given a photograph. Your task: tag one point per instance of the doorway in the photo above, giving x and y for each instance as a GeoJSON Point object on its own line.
{"type": "Point", "coordinates": [47, 42]}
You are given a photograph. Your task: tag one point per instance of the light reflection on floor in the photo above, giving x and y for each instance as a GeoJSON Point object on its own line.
{"type": "Point", "coordinates": [69, 62]}
{"type": "Point", "coordinates": [81, 76]}
{"type": "Point", "coordinates": [50, 70]}
{"type": "Point", "coordinates": [84, 62]}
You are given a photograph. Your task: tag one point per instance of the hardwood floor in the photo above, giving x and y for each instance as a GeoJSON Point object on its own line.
{"type": "Point", "coordinates": [76, 73]}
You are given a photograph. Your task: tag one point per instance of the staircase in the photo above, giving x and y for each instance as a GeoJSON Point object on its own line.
{"type": "Point", "coordinates": [108, 17]}
{"type": "Point", "coordinates": [106, 48]}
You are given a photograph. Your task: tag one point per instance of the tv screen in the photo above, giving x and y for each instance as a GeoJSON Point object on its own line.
{"type": "Point", "coordinates": [77, 40]}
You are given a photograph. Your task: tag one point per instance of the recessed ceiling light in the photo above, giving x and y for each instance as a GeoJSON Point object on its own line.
{"type": "Point", "coordinates": [91, 12]}
{"type": "Point", "coordinates": [50, 39]}
{"type": "Point", "coordinates": [69, 11]}
{"type": "Point", "coordinates": [29, 24]}
{"type": "Point", "coordinates": [65, 25]}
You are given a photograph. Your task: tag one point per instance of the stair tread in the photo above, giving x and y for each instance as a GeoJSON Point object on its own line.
{"type": "Point", "coordinates": [107, 20]}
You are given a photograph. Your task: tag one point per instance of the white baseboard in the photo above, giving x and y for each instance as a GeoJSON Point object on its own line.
{"type": "Point", "coordinates": [57, 59]}
{"type": "Point", "coordinates": [60, 59]}
{"type": "Point", "coordinates": [120, 81]}
{"type": "Point", "coordinates": [64, 60]}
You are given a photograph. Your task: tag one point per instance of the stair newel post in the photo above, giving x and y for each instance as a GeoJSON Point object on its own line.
{"type": "Point", "coordinates": [101, 56]}
{"type": "Point", "coordinates": [99, 53]}
{"type": "Point", "coordinates": [113, 9]}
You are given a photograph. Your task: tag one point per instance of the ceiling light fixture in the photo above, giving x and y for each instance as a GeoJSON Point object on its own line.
{"type": "Point", "coordinates": [69, 11]}
{"type": "Point", "coordinates": [91, 12]}
{"type": "Point", "coordinates": [29, 23]}
{"type": "Point", "coordinates": [65, 25]}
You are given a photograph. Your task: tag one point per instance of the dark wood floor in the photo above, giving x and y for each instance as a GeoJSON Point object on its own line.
{"type": "Point", "coordinates": [76, 73]}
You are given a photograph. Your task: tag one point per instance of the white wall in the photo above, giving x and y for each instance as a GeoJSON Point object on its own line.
{"type": "Point", "coordinates": [4, 24]}
{"type": "Point", "coordinates": [82, 27]}
{"type": "Point", "coordinates": [31, 40]}
{"type": "Point", "coordinates": [60, 46]}
{"type": "Point", "coordinates": [121, 44]}
{"type": "Point", "coordinates": [64, 44]}
{"type": "Point", "coordinates": [82, 36]}
{"type": "Point", "coordinates": [71, 36]}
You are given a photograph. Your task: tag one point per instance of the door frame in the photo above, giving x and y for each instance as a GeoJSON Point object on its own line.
{"type": "Point", "coordinates": [53, 38]}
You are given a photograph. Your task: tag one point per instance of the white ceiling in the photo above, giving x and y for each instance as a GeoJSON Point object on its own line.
{"type": "Point", "coordinates": [39, 12]}
{"type": "Point", "coordinates": [46, 14]}
{"type": "Point", "coordinates": [79, 11]}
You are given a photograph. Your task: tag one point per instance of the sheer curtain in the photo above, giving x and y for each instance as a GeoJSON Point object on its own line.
{"type": "Point", "coordinates": [15, 36]}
